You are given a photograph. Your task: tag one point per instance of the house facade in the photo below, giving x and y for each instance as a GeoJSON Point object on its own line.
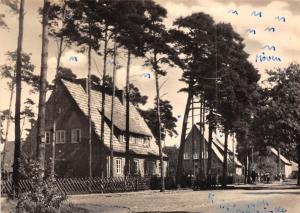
{"type": "Point", "coordinates": [287, 167]}
{"type": "Point", "coordinates": [192, 152]}
{"type": "Point", "coordinates": [72, 149]}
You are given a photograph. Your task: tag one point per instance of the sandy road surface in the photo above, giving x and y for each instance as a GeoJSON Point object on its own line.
{"type": "Point", "coordinates": [216, 201]}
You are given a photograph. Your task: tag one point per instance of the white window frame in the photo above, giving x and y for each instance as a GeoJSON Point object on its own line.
{"type": "Point", "coordinates": [72, 135]}
{"type": "Point", "coordinates": [58, 136]}
{"type": "Point", "coordinates": [49, 134]}
{"type": "Point", "coordinates": [196, 156]}
{"type": "Point", "coordinates": [186, 156]}
{"type": "Point", "coordinates": [119, 166]}
{"type": "Point", "coordinates": [205, 155]}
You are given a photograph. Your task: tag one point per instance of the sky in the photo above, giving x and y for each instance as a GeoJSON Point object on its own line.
{"type": "Point", "coordinates": [284, 43]}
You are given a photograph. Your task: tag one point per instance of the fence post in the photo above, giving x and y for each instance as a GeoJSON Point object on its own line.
{"type": "Point", "coordinates": [101, 186]}
{"type": "Point", "coordinates": [136, 184]}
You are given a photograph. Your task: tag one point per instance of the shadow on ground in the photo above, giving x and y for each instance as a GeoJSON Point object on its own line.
{"type": "Point", "coordinates": [273, 193]}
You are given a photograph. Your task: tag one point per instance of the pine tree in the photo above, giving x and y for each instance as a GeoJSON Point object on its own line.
{"type": "Point", "coordinates": [40, 149]}
{"type": "Point", "coordinates": [17, 152]}
{"type": "Point", "coordinates": [193, 38]}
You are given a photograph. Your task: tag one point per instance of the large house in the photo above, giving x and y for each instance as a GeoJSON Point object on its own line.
{"type": "Point", "coordinates": [71, 149]}
{"type": "Point", "coordinates": [191, 158]}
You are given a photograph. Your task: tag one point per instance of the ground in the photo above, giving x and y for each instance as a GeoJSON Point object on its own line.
{"type": "Point", "coordinates": [274, 198]}
{"type": "Point", "coordinates": [271, 198]}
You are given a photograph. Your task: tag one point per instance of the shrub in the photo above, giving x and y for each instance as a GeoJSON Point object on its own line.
{"type": "Point", "coordinates": [44, 197]}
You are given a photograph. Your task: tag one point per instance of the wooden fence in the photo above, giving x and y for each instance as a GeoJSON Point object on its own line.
{"type": "Point", "coordinates": [87, 185]}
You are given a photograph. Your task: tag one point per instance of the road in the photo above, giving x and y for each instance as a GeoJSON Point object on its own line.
{"type": "Point", "coordinates": [274, 198]}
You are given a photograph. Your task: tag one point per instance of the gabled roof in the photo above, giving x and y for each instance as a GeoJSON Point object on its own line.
{"type": "Point", "coordinates": [221, 150]}
{"type": "Point", "coordinates": [137, 123]}
{"type": "Point", "coordinates": [217, 145]}
{"type": "Point", "coordinates": [282, 158]}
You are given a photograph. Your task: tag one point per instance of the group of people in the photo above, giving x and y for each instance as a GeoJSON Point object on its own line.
{"type": "Point", "coordinates": [256, 177]}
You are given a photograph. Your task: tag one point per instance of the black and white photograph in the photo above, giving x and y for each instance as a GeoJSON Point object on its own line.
{"type": "Point", "coordinates": [150, 106]}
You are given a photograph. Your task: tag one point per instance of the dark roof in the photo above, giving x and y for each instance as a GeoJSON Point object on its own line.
{"type": "Point", "coordinates": [137, 123]}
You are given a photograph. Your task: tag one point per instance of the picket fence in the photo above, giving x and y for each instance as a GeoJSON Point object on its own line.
{"type": "Point", "coordinates": [86, 185]}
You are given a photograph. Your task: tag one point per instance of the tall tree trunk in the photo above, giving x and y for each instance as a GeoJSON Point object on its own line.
{"type": "Point", "coordinates": [224, 182]}
{"type": "Point", "coordinates": [23, 124]}
{"type": "Point", "coordinates": [209, 159]}
{"type": "Point", "coordinates": [202, 139]}
{"type": "Point", "coordinates": [193, 144]}
{"type": "Point", "coordinates": [102, 154]}
{"type": "Point", "coordinates": [43, 90]}
{"type": "Point", "coordinates": [233, 157]}
{"type": "Point", "coordinates": [61, 41]}
{"type": "Point", "coordinates": [279, 164]}
{"type": "Point", "coordinates": [162, 187]}
{"type": "Point", "coordinates": [247, 168]}
{"type": "Point", "coordinates": [127, 172]}
{"type": "Point", "coordinates": [203, 144]}
{"type": "Point", "coordinates": [245, 159]}
{"type": "Point", "coordinates": [17, 151]}
{"type": "Point", "coordinates": [112, 116]}
{"type": "Point", "coordinates": [179, 169]}
{"type": "Point", "coordinates": [8, 121]}
{"type": "Point", "coordinates": [298, 154]}
{"type": "Point", "coordinates": [89, 114]}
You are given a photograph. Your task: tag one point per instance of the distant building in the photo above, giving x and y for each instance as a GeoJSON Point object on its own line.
{"type": "Point", "coordinates": [7, 159]}
{"type": "Point", "coordinates": [172, 153]}
{"type": "Point", "coordinates": [217, 154]}
{"type": "Point", "coordinates": [287, 167]}
{"type": "Point", "coordinates": [71, 148]}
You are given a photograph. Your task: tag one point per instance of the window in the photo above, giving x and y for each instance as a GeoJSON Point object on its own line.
{"type": "Point", "coordinates": [204, 155]}
{"type": "Point", "coordinates": [150, 167]}
{"type": "Point", "coordinates": [60, 136]}
{"type": "Point", "coordinates": [119, 165]}
{"type": "Point", "coordinates": [186, 156]}
{"type": "Point", "coordinates": [195, 156]}
{"type": "Point", "coordinates": [47, 137]}
{"type": "Point", "coordinates": [146, 142]}
{"type": "Point", "coordinates": [136, 167]}
{"type": "Point", "coordinates": [76, 135]}
{"type": "Point", "coordinates": [121, 138]}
